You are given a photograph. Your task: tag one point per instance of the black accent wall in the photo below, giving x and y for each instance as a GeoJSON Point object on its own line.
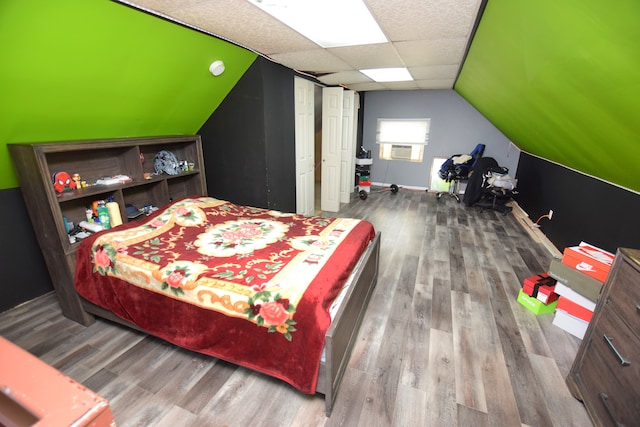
{"type": "Point", "coordinates": [585, 208]}
{"type": "Point", "coordinates": [249, 141]}
{"type": "Point", "coordinates": [24, 273]}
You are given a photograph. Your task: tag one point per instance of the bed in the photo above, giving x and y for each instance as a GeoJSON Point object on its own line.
{"type": "Point", "coordinates": [282, 294]}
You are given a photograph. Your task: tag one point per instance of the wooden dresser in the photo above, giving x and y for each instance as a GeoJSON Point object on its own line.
{"type": "Point", "coordinates": [606, 372]}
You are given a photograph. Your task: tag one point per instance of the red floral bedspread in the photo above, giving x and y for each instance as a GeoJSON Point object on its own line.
{"type": "Point", "coordinates": [243, 284]}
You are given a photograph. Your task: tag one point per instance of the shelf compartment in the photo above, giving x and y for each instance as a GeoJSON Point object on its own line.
{"type": "Point", "coordinates": [188, 152]}
{"type": "Point", "coordinates": [97, 163]}
{"type": "Point", "coordinates": [154, 193]}
{"type": "Point", "coordinates": [184, 186]}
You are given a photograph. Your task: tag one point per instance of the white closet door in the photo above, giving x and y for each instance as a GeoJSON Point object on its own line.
{"type": "Point", "coordinates": [348, 145]}
{"type": "Point", "coordinates": [304, 142]}
{"type": "Point", "coordinates": [332, 108]}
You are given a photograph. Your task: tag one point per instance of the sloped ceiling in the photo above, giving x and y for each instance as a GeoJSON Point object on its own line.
{"type": "Point", "coordinates": [95, 69]}
{"type": "Point", "coordinates": [429, 37]}
{"type": "Point", "coordinates": [560, 79]}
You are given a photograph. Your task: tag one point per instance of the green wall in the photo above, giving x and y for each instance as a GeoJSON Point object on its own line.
{"type": "Point", "coordinates": [86, 69]}
{"type": "Point", "coordinates": [561, 80]}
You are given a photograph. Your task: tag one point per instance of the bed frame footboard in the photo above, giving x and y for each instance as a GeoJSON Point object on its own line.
{"type": "Point", "coordinates": [343, 331]}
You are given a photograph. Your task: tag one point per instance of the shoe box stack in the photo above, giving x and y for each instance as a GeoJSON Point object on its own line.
{"type": "Point", "coordinates": [570, 287]}
{"type": "Point", "coordinates": [580, 275]}
{"type": "Point", "coordinates": [538, 294]}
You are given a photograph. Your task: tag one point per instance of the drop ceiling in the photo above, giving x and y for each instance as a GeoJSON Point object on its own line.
{"type": "Point", "coordinates": [429, 37]}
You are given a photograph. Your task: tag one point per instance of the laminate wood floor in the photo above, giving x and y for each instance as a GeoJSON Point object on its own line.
{"type": "Point", "coordinates": [443, 343]}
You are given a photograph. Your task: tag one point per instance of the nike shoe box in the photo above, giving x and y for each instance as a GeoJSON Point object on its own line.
{"type": "Point", "coordinates": [574, 309]}
{"type": "Point", "coordinates": [534, 305]}
{"type": "Point", "coordinates": [576, 285]}
{"type": "Point", "coordinates": [572, 324]}
{"type": "Point", "coordinates": [540, 287]}
{"type": "Point", "coordinates": [588, 259]}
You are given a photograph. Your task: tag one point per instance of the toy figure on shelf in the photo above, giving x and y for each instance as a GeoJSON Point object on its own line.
{"type": "Point", "coordinates": [62, 182]}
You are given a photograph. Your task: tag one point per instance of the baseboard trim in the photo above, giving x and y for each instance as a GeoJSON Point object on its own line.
{"type": "Point", "coordinates": [534, 231]}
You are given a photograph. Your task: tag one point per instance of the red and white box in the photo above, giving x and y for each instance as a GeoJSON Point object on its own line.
{"type": "Point", "coordinates": [573, 308]}
{"type": "Point", "coordinates": [540, 287]}
{"type": "Point", "coordinates": [588, 259]}
{"type": "Point", "coordinates": [574, 325]}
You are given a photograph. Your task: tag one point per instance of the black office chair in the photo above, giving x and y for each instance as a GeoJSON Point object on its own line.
{"type": "Point", "coordinates": [490, 186]}
{"type": "Point", "coordinates": [456, 169]}
{"type": "Point", "coordinates": [497, 189]}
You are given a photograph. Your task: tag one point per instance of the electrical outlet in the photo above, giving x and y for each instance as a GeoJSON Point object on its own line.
{"type": "Point", "coordinates": [550, 213]}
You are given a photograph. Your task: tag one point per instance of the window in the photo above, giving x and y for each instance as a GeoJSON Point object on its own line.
{"type": "Point", "coordinates": [402, 139]}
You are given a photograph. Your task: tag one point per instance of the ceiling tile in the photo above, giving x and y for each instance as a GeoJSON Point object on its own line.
{"type": "Point", "coordinates": [434, 72]}
{"type": "Point", "coordinates": [344, 77]}
{"type": "Point", "coordinates": [409, 85]}
{"type": "Point", "coordinates": [317, 60]}
{"type": "Point", "coordinates": [363, 87]}
{"type": "Point", "coordinates": [369, 56]}
{"type": "Point", "coordinates": [240, 22]}
{"type": "Point", "coordinates": [424, 19]}
{"type": "Point", "coordinates": [431, 52]}
{"type": "Point", "coordinates": [435, 84]}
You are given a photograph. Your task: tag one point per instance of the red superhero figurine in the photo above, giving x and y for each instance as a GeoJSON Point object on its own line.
{"type": "Point", "coordinates": [62, 182]}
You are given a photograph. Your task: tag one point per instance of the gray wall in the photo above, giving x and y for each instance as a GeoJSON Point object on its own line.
{"type": "Point", "coordinates": [456, 128]}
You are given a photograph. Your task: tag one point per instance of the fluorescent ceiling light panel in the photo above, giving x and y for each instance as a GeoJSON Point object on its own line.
{"type": "Point", "coordinates": [329, 23]}
{"type": "Point", "coordinates": [388, 74]}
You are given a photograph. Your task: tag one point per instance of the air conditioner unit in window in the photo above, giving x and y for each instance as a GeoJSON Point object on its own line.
{"type": "Point", "coordinates": [401, 152]}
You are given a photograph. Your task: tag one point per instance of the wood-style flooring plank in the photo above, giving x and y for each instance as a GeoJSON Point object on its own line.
{"type": "Point", "coordinates": [529, 395]}
{"type": "Point", "coordinates": [470, 390]}
{"type": "Point", "coordinates": [415, 363]}
{"type": "Point", "coordinates": [351, 399]}
{"type": "Point", "coordinates": [441, 305]}
{"type": "Point", "coordinates": [441, 395]}
{"type": "Point", "coordinates": [175, 417]}
{"type": "Point", "coordinates": [382, 389]}
{"type": "Point", "coordinates": [566, 409]}
{"type": "Point", "coordinates": [472, 417]}
{"type": "Point", "coordinates": [207, 386]}
{"type": "Point", "coordinates": [410, 405]}
{"type": "Point", "coordinates": [235, 403]}
{"type": "Point", "coordinates": [403, 297]}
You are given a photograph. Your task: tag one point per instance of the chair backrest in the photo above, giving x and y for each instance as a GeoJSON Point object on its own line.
{"type": "Point", "coordinates": [450, 171]}
{"type": "Point", "coordinates": [476, 154]}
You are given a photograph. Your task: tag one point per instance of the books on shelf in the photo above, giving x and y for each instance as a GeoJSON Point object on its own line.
{"type": "Point", "coordinates": [116, 179]}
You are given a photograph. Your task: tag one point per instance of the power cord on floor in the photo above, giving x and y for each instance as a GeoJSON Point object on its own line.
{"type": "Point", "coordinates": [537, 223]}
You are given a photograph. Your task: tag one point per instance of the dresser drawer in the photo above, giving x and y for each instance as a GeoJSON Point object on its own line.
{"type": "Point", "coordinates": [625, 295]}
{"type": "Point", "coordinates": [609, 372]}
